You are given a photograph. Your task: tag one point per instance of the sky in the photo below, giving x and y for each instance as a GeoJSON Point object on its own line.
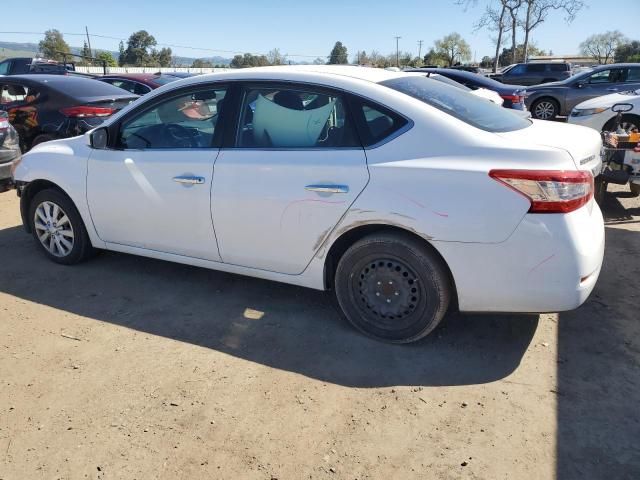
{"type": "Point", "coordinates": [304, 30]}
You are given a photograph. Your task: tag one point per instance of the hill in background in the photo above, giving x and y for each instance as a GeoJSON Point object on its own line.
{"type": "Point", "coordinates": [17, 49]}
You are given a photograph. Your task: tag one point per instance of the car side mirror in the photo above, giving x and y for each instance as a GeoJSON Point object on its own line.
{"type": "Point", "coordinates": [99, 138]}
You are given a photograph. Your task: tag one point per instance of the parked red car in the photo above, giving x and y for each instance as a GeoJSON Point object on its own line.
{"type": "Point", "coordinates": [138, 83]}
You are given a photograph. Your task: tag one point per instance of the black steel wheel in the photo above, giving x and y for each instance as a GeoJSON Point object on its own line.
{"type": "Point", "coordinates": [392, 287]}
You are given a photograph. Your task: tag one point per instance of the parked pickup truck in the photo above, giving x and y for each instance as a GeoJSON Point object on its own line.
{"type": "Point", "coordinates": [22, 65]}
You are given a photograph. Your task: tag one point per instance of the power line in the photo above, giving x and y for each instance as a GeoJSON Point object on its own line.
{"type": "Point", "coordinates": [171, 45]}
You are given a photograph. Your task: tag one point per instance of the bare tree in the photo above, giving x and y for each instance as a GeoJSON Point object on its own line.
{"type": "Point", "coordinates": [512, 7]}
{"type": "Point", "coordinates": [602, 46]}
{"type": "Point", "coordinates": [536, 12]}
{"type": "Point", "coordinates": [495, 20]}
{"type": "Point", "coordinates": [276, 58]}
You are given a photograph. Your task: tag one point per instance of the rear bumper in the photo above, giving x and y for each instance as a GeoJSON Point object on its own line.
{"type": "Point", "coordinates": [550, 263]}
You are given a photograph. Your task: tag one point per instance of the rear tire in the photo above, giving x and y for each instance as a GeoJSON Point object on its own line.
{"type": "Point", "coordinates": [392, 287]}
{"type": "Point", "coordinates": [58, 228]}
{"type": "Point", "coordinates": [628, 122]}
{"type": "Point", "coordinates": [635, 189]}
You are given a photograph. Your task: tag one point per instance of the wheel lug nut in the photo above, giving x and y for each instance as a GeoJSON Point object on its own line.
{"type": "Point", "coordinates": [377, 294]}
{"type": "Point", "coordinates": [379, 283]}
{"type": "Point", "coordinates": [397, 293]}
{"type": "Point", "coordinates": [388, 300]}
{"type": "Point", "coordinates": [390, 283]}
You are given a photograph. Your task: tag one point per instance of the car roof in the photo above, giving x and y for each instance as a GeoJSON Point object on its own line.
{"type": "Point", "coordinates": [297, 72]}
{"type": "Point", "coordinates": [132, 76]}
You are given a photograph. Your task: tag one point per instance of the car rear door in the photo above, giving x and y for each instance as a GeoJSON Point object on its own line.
{"type": "Point", "coordinates": [284, 180]}
{"type": "Point", "coordinates": [151, 189]}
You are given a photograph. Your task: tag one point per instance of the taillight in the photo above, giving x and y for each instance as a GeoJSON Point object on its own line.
{"type": "Point", "coordinates": [4, 124]}
{"type": "Point", "coordinates": [549, 191]}
{"type": "Point", "coordinates": [85, 111]}
{"type": "Point", "coordinates": [513, 98]}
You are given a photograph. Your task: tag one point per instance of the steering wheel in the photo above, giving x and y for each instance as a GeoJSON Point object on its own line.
{"type": "Point", "coordinates": [181, 136]}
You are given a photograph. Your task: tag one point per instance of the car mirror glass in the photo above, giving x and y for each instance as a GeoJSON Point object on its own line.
{"type": "Point", "coordinates": [99, 138]}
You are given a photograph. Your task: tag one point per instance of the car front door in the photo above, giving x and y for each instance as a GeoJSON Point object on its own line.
{"type": "Point", "coordinates": [151, 188]}
{"type": "Point", "coordinates": [292, 171]}
{"type": "Point", "coordinates": [602, 82]}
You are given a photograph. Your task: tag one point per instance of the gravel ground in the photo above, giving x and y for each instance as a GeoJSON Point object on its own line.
{"type": "Point", "coordinates": [133, 368]}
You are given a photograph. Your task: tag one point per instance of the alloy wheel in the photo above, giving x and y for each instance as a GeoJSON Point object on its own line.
{"type": "Point", "coordinates": [545, 110]}
{"type": "Point", "coordinates": [54, 229]}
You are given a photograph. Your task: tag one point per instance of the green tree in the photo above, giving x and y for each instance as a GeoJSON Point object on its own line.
{"type": "Point", "coordinates": [432, 57]}
{"type": "Point", "coordinates": [628, 52]}
{"type": "Point", "coordinates": [53, 45]}
{"type": "Point", "coordinates": [338, 55]}
{"type": "Point", "coordinates": [121, 53]}
{"type": "Point", "coordinates": [602, 46]}
{"type": "Point", "coordinates": [249, 60]}
{"type": "Point", "coordinates": [507, 54]}
{"type": "Point", "coordinates": [86, 54]}
{"type": "Point", "coordinates": [453, 49]}
{"type": "Point", "coordinates": [201, 63]}
{"type": "Point", "coordinates": [139, 49]}
{"type": "Point", "coordinates": [161, 58]}
{"type": "Point", "coordinates": [486, 62]}
{"type": "Point", "coordinates": [107, 58]}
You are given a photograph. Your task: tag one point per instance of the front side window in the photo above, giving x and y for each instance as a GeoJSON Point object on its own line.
{"type": "Point", "coordinates": [293, 118]}
{"type": "Point", "coordinates": [469, 108]}
{"type": "Point", "coordinates": [4, 67]}
{"type": "Point", "coordinates": [185, 121]}
{"type": "Point", "coordinates": [517, 70]}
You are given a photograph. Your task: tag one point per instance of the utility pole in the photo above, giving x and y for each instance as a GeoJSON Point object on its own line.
{"type": "Point", "coordinates": [88, 41]}
{"type": "Point", "coordinates": [420, 42]}
{"type": "Point", "coordinates": [397, 52]}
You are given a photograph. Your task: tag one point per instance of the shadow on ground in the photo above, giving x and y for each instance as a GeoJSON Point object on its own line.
{"type": "Point", "coordinates": [598, 409]}
{"type": "Point", "coordinates": [300, 330]}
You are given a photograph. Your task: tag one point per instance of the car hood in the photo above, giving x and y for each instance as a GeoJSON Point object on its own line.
{"type": "Point", "coordinates": [607, 101]}
{"type": "Point", "coordinates": [583, 144]}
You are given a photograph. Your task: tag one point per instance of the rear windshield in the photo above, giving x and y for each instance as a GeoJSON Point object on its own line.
{"type": "Point", "coordinates": [164, 79]}
{"type": "Point", "coordinates": [471, 109]}
{"type": "Point", "coordinates": [84, 88]}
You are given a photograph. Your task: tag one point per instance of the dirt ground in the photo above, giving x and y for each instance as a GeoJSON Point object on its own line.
{"type": "Point", "coordinates": [132, 368]}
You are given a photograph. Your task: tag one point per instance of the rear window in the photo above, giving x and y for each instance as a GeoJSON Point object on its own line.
{"type": "Point", "coordinates": [535, 67]}
{"type": "Point", "coordinates": [464, 106]}
{"type": "Point", "coordinates": [164, 79]}
{"type": "Point", "coordinates": [84, 88]}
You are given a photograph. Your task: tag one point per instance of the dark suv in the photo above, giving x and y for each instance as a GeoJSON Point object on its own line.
{"type": "Point", "coordinates": [535, 73]}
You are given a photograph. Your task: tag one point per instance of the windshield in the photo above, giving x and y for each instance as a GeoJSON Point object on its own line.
{"type": "Point", "coordinates": [464, 106]}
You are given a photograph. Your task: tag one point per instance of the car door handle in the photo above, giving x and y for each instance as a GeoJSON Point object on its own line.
{"type": "Point", "coordinates": [327, 188]}
{"type": "Point", "coordinates": [189, 180]}
{"type": "Point", "coordinates": [612, 89]}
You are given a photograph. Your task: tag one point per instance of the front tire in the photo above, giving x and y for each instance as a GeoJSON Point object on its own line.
{"type": "Point", "coordinates": [635, 189]}
{"type": "Point", "coordinates": [392, 287]}
{"type": "Point", "coordinates": [545, 109]}
{"type": "Point", "coordinates": [58, 228]}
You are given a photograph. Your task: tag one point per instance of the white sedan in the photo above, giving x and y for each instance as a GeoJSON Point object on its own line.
{"type": "Point", "coordinates": [405, 196]}
{"type": "Point", "coordinates": [597, 114]}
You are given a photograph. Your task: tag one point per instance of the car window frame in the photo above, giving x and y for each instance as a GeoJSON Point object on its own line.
{"type": "Point", "coordinates": [246, 85]}
{"type": "Point", "coordinates": [626, 77]}
{"type": "Point", "coordinates": [115, 129]}
{"type": "Point", "coordinates": [356, 102]}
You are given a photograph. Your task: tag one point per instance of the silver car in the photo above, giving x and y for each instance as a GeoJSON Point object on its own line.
{"type": "Point", "coordinates": [550, 100]}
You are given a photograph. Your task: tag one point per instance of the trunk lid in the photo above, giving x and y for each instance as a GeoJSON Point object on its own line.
{"type": "Point", "coordinates": [581, 143]}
